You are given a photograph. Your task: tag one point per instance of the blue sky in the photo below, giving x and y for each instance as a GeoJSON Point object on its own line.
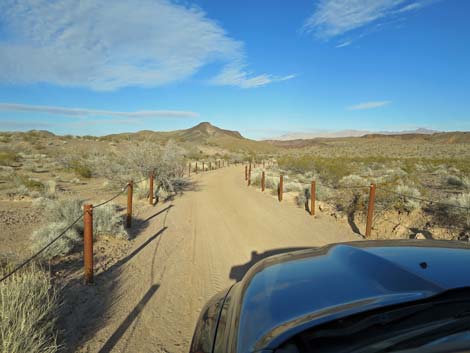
{"type": "Point", "coordinates": [262, 67]}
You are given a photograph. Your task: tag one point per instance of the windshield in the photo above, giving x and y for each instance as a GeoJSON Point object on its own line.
{"type": "Point", "coordinates": [442, 320]}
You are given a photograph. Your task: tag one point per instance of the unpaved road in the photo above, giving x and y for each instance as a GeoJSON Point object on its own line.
{"type": "Point", "coordinates": [203, 243]}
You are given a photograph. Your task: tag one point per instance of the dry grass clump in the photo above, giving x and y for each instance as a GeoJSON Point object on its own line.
{"type": "Point", "coordinates": [461, 209]}
{"type": "Point", "coordinates": [63, 246]}
{"type": "Point", "coordinates": [106, 221]}
{"type": "Point", "coordinates": [28, 312]}
{"type": "Point", "coordinates": [8, 158]}
{"type": "Point", "coordinates": [407, 204]}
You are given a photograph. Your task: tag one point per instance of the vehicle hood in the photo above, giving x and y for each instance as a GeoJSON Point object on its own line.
{"type": "Point", "coordinates": [286, 294]}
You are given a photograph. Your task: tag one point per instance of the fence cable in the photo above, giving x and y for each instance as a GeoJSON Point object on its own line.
{"type": "Point", "coordinates": [112, 198]}
{"type": "Point", "coordinates": [16, 269]}
{"type": "Point", "coordinates": [422, 200]}
{"type": "Point", "coordinates": [40, 251]}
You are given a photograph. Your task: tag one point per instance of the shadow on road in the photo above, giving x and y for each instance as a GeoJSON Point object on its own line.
{"type": "Point", "coordinates": [237, 272]}
{"type": "Point", "coordinates": [131, 317]}
{"type": "Point", "coordinates": [85, 309]}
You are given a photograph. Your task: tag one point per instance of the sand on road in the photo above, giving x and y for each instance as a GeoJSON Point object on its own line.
{"type": "Point", "coordinates": [189, 249]}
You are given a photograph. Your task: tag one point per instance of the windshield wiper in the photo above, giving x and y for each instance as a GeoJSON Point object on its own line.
{"type": "Point", "coordinates": [382, 318]}
{"type": "Point", "coordinates": [437, 329]}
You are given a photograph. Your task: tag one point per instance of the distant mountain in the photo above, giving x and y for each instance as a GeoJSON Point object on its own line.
{"type": "Point", "coordinates": [202, 134]}
{"type": "Point", "coordinates": [461, 137]}
{"type": "Point", "coordinates": [346, 133]}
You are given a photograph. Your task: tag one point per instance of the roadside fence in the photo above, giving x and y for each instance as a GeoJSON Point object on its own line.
{"type": "Point", "coordinates": [371, 191]}
{"type": "Point", "coordinates": [87, 217]}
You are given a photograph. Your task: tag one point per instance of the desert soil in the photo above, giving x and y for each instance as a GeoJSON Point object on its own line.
{"type": "Point", "coordinates": [186, 251]}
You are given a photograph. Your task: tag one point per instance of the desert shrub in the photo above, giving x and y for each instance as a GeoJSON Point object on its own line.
{"type": "Point", "coordinates": [8, 157]}
{"type": "Point", "coordinates": [352, 180]}
{"type": "Point", "coordinates": [28, 311]}
{"type": "Point", "coordinates": [80, 168]}
{"type": "Point", "coordinates": [302, 197]}
{"type": "Point", "coordinates": [271, 182]}
{"type": "Point", "coordinates": [292, 186]}
{"type": "Point", "coordinates": [141, 190]}
{"type": "Point", "coordinates": [167, 163]}
{"type": "Point", "coordinates": [63, 246]}
{"type": "Point", "coordinates": [50, 188]}
{"type": "Point", "coordinates": [108, 221]}
{"type": "Point", "coordinates": [66, 211]}
{"type": "Point", "coordinates": [459, 208]}
{"type": "Point", "coordinates": [323, 193]}
{"type": "Point", "coordinates": [454, 180]}
{"type": "Point", "coordinates": [406, 203]}
{"type": "Point", "coordinates": [256, 178]}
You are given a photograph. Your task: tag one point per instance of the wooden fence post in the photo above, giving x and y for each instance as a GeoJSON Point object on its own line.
{"type": "Point", "coordinates": [246, 173]}
{"type": "Point", "coordinates": [88, 243]}
{"type": "Point", "coordinates": [262, 181]}
{"type": "Point", "coordinates": [370, 210]}
{"type": "Point", "coordinates": [189, 169]}
{"type": "Point", "coordinates": [249, 177]}
{"type": "Point", "coordinates": [196, 167]}
{"type": "Point", "coordinates": [151, 188]}
{"type": "Point", "coordinates": [281, 187]}
{"type": "Point", "coordinates": [312, 198]}
{"type": "Point", "coordinates": [130, 191]}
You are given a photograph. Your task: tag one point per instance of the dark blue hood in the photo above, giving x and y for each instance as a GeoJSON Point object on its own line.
{"type": "Point", "coordinates": [286, 294]}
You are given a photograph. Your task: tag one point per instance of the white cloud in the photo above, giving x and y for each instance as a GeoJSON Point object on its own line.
{"type": "Point", "coordinates": [81, 112]}
{"type": "Point", "coordinates": [344, 44]}
{"type": "Point", "coordinates": [236, 76]}
{"type": "Point", "coordinates": [368, 105]}
{"type": "Point", "coordinates": [106, 45]}
{"type": "Point", "coordinates": [333, 18]}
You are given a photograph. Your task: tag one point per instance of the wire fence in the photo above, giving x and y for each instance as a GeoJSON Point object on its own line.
{"type": "Point", "coordinates": [66, 229]}
{"type": "Point", "coordinates": [376, 209]}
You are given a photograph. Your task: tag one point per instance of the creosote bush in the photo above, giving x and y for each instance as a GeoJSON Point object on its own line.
{"type": "Point", "coordinates": [106, 221]}
{"type": "Point", "coordinates": [406, 203]}
{"type": "Point", "coordinates": [28, 312]}
{"type": "Point", "coordinates": [461, 213]}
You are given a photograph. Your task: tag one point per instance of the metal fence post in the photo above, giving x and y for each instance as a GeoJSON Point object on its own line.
{"type": "Point", "coordinates": [312, 198]}
{"type": "Point", "coordinates": [130, 190]}
{"type": "Point", "coordinates": [151, 188]}
{"type": "Point", "coordinates": [88, 243]}
{"type": "Point", "coordinates": [370, 210]}
{"type": "Point", "coordinates": [262, 181]}
{"type": "Point", "coordinates": [281, 187]}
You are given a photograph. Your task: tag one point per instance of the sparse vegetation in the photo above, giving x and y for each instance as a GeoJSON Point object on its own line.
{"type": "Point", "coordinates": [7, 158]}
{"type": "Point", "coordinates": [106, 221]}
{"type": "Point", "coordinates": [28, 311]}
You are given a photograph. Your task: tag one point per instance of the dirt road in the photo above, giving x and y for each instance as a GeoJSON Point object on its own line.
{"type": "Point", "coordinates": [185, 252]}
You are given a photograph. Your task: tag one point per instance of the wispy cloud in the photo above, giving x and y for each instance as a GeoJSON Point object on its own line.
{"type": "Point", "coordinates": [368, 105]}
{"type": "Point", "coordinates": [236, 76]}
{"type": "Point", "coordinates": [107, 45]}
{"type": "Point", "coordinates": [333, 18]}
{"type": "Point", "coordinates": [83, 112]}
{"type": "Point", "coordinates": [344, 44]}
